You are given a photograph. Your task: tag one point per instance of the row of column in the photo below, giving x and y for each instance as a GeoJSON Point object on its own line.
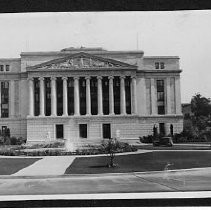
{"type": "Point", "coordinates": [88, 96]}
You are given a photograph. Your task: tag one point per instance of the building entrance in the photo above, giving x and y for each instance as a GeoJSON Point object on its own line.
{"type": "Point", "coordinates": [106, 131]}
{"type": "Point", "coordinates": [60, 131]}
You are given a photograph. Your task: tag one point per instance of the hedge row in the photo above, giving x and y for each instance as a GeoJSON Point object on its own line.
{"type": "Point", "coordinates": [56, 152]}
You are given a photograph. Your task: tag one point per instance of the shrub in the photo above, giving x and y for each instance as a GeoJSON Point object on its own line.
{"type": "Point", "coordinates": [146, 139]}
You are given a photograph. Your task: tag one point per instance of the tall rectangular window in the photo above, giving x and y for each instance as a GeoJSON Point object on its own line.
{"type": "Point", "coordinates": [1, 67]}
{"type": "Point", "coordinates": [160, 97]}
{"type": "Point", "coordinates": [162, 65]}
{"type": "Point", "coordinates": [157, 66]}
{"type": "Point", "coordinates": [5, 99]}
{"type": "Point", "coordinates": [7, 67]}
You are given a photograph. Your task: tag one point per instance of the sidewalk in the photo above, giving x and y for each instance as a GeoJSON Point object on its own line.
{"type": "Point", "coordinates": [51, 165]}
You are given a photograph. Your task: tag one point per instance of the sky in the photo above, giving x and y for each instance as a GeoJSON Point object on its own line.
{"type": "Point", "coordinates": [186, 34]}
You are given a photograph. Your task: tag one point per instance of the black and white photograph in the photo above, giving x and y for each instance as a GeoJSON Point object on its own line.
{"type": "Point", "coordinates": [105, 105]}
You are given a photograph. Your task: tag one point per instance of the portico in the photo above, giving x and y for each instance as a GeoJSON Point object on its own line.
{"type": "Point", "coordinates": [79, 82]}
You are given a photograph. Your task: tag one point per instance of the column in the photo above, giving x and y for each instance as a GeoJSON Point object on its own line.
{"type": "Point", "coordinates": [111, 95]}
{"type": "Point", "coordinates": [153, 97]}
{"type": "Point", "coordinates": [122, 95]}
{"type": "Point", "coordinates": [134, 96]}
{"type": "Point", "coordinates": [99, 95]}
{"type": "Point", "coordinates": [42, 97]}
{"type": "Point", "coordinates": [76, 96]}
{"type": "Point", "coordinates": [31, 97]}
{"type": "Point", "coordinates": [12, 98]}
{"type": "Point", "coordinates": [88, 96]}
{"type": "Point", "coordinates": [178, 96]}
{"type": "Point", "coordinates": [168, 93]}
{"type": "Point", "coordinates": [53, 96]}
{"type": "Point", "coordinates": [65, 111]}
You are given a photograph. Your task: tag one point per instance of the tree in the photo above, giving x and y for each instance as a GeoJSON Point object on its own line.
{"type": "Point", "coordinates": [200, 106]}
{"type": "Point", "coordinates": [111, 146]}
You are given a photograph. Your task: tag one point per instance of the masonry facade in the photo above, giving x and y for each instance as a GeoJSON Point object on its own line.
{"type": "Point", "coordinates": [89, 94]}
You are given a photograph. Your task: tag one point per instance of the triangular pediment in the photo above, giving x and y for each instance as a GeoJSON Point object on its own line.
{"type": "Point", "coordinates": [82, 61]}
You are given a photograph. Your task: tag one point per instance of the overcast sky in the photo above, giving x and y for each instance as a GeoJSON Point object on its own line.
{"type": "Point", "coordinates": [186, 34]}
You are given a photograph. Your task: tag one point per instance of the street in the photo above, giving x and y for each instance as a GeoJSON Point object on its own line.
{"type": "Point", "coordinates": [166, 181]}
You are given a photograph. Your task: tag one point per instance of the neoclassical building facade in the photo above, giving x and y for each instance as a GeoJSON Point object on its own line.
{"type": "Point", "coordinates": [89, 94]}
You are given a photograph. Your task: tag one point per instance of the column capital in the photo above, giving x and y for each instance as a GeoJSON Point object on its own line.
{"type": "Point", "coordinates": [87, 78]}
{"type": "Point", "coordinates": [30, 79]}
{"type": "Point", "coordinates": [122, 77]}
{"type": "Point", "coordinates": [133, 77]}
{"type": "Point", "coordinates": [99, 77]}
{"type": "Point", "coordinates": [76, 77]}
{"type": "Point", "coordinates": [53, 78]}
{"type": "Point", "coordinates": [64, 78]}
{"type": "Point", "coordinates": [110, 77]}
{"type": "Point", "coordinates": [41, 78]}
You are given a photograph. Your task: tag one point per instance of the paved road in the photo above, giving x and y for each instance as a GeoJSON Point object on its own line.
{"type": "Point", "coordinates": [169, 181]}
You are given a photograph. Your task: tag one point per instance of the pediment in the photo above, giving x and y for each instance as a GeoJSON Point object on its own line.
{"type": "Point", "coordinates": [82, 61]}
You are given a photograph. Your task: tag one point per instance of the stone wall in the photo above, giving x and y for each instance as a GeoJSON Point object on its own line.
{"type": "Point", "coordinates": [130, 127]}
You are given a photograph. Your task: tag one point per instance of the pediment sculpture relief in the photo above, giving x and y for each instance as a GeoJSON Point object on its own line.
{"type": "Point", "coordinates": [80, 62]}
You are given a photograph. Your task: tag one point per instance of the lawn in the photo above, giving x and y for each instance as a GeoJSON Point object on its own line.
{"type": "Point", "coordinates": [151, 161]}
{"type": "Point", "coordinates": [12, 165]}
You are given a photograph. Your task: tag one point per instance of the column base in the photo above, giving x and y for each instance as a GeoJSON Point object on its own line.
{"type": "Point", "coordinates": [65, 115]}
{"type": "Point", "coordinates": [53, 115]}
{"type": "Point", "coordinates": [28, 115]}
{"type": "Point", "coordinates": [111, 114]}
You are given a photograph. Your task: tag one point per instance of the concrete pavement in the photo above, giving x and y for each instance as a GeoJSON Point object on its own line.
{"type": "Point", "coordinates": [50, 165]}
{"type": "Point", "coordinates": [165, 181]}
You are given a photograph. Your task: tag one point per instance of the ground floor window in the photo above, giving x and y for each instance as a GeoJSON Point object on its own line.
{"type": "Point", "coordinates": [60, 131]}
{"type": "Point", "coordinates": [107, 131]}
{"type": "Point", "coordinates": [83, 130]}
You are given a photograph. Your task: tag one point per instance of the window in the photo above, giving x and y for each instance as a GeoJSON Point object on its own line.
{"type": "Point", "coordinates": [60, 131]}
{"type": "Point", "coordinates": [160, 97]}
{"type": "Point", "coordinates": [83, 130]}
{"type": "Point", "coordinates": [159, 65]}
{"type": "Point", "coordinates": [162, 65]}
{"type": "Point", "coordinates": [7, 67]}
{"type": "Point", "coordinates": [161, 109]}
{"type": "Point", "coordinates": [1, 67]}
{"type": "Point", "coordinates": [160, 85]}
{"type": "Point", "coordinates": [106, 131]}
{"type": "Point", "coordinates": [5, 99]}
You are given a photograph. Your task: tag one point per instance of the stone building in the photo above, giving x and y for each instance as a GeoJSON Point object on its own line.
{"type": "Point", "coordinates": [89, 94]}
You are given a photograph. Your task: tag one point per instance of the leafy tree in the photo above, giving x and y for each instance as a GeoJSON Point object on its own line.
{"type": "Point", "coordinates": [111, 146]}
{"type": "Point", "coordinates": [200, 106]}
